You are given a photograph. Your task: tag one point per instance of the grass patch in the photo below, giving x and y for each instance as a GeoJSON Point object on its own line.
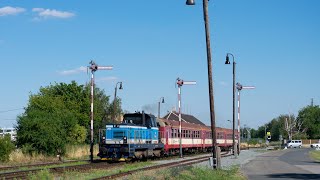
{"type": "Point", "coordinates": [187, 172]}
{"type": "Point", "coordinates": [43, 174]}
{"type": "Point", "coordinates": [190, 173]}
{"type": "Point", "coordinates": [17, 157]}
{"type": "Point", "coordinates": [47, 166]}
{"type": "Point", "coordinates": [315, 155]}
{"type": "Point", "coordinates": [74, 152]}
{"type": "Point", "coordinates": [102, 172]}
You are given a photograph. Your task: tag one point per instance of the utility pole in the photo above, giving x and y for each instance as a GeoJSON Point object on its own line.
{"type": "Point", "coordinates": [265, 133]}
{"type": "Point", "coordinates": [94, 67]}
{"type": "Point", "coordinates": [180, 82]}
{"type": "Point", "coordinates": [210, 81]}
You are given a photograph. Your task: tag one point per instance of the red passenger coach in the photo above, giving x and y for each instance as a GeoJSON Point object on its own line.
{"type": "Point", "coordinates": [195, 135]}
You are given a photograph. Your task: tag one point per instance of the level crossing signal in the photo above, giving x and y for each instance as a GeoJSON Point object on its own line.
{"type": "Point", "coordinates": [269, 135]}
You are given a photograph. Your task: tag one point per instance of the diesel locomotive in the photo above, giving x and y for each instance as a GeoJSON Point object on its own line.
{"type": "Point", "coordinates": [135, 138]}
{"type": "Point", "coordinates": [142, 135]}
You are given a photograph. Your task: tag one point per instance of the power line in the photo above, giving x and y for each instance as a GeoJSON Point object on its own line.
{"type": "Point", "coordinates": [11, 110]}
{"type": "Point", "coordinates": [8, 119]}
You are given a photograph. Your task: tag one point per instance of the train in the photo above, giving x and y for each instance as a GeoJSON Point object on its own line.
{"type": "Point", "coordinates": [141, 135]}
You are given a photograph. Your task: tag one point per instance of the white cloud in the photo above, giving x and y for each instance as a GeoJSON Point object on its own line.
{"type": "Point", "coordinates": [107, 79]}
{"type": "Point", "coordinates": [73, 71]}
{"type": "Point", "coordinates": [47, 13]}
{"type": "Point", "coordinates": [7, 10]}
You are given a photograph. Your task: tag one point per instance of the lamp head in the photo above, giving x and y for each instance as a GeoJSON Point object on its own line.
{"type": "Point", "coordinates": [227, 60]}
{"type": "Point", "coordinates": [120, 85]}
{"type": "Point", "coordinates": [162, 100]}
{"type": "Point", "coordinates": [190, 2]}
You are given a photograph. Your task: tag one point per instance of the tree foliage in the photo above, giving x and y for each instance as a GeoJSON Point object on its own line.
{"type": "Point", "coordinates": [6, 147]}
{"type": "Point", "coordinates": [60, 114]}
{"type": "Point", "coordinates": [305, 125]}
{"type": "Point", "coordinates": [310, 120]}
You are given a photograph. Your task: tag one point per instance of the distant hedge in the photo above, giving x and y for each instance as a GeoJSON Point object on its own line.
{"type": "Point", "coordinates": [6, 147]}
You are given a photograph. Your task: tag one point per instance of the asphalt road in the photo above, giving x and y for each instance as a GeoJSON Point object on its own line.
{"type": "Point", "coordinates": [283, 164]}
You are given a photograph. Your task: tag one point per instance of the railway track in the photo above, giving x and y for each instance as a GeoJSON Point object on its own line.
{"type": "Point", "coordinates": [31, 166]}
{"type": "Point", "coordinates": [186, 162]}
{"type": "Point", "coordinates": [166, 165]}
{"type": "Point", "coordinates": [23, 174]}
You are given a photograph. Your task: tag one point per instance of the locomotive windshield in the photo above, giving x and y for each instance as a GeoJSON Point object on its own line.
{"type": "Point", "coordinates": [137, 119]}
{"type": "Point", "coordinates": [133, 120]}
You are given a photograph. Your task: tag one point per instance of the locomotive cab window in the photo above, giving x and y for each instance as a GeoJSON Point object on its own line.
{"type": "Point", "coordinates": [133, 119]}
{"type": "Point", "coordinates": [140, 119]}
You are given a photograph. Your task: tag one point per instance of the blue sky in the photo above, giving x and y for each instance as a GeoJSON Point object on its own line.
{"type": "Point", "coordinates": [151, 43]}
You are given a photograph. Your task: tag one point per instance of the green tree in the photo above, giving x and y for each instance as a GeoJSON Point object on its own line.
{"type": "Point", "coordinates": [60, 114]}
{"type": "Point", "coordinates": [45, 130]}
{"type": "Point", "coordinates": [6, 147]}
{"type": "Point", "coordinates": [77, 134]}
{"type": "Point", "coordinates": [254, 133]}
{"type": "Point", "coordinates": [275, 129]}
{"type": "Point", "coordinates": [309, 120]}
{"type": "Point", "coordinates": [260, 133]}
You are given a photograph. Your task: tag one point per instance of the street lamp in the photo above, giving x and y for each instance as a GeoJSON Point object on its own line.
{"type": "Point", "coordinates": [114, 101]}
{"type": "Point", "coordinates": [180, 82]}
{"type": "Point", "coordinates": [94, 67]}
{"type": "Point", "coordinates": [233, 99]}
{"type": "Point", "coordinates": [239, 88]}
{"type": "Point", "coordinates": [162, 101]}
{"type": "Point", "coordinates": [210, 81]}
{"type": "Point", "coordinates": [229, 120]}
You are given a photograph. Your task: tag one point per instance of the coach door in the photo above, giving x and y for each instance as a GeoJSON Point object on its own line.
{"type": "Point", "coordinates": [167, 133]}
{"type": "Point", "coordinates": [203, 136]}
{"type": "Point", "coordinates": [192, 136]}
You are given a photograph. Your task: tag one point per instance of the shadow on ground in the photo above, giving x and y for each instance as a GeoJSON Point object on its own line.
{"type": "Point", "coordinates": [295, 176]}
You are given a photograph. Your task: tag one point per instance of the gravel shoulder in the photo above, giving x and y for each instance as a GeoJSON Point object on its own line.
{"type": "Point", "coordinates": [226, 162]}
{"type": "Point", "coordinates": [231, 161]}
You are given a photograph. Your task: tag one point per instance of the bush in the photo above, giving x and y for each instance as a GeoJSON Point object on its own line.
{"type": "Point", "coordinates": [253, 141]}
{"type": "Point", "coordinates": [6, 147]}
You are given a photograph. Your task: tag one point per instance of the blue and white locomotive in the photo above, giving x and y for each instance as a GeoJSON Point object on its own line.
{"type": "Point", "coordinates": [136, 137]}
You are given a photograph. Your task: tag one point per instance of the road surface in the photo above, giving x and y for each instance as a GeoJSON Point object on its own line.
{"type": "Point", "coordinates": [283, 164]}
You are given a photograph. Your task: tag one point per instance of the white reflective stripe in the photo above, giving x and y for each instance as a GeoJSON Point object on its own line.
{"type": "Point", "coordinates": [189, 82]}
{"type": "Point", "coordinates": [133, 127]}
{"type": "Point", "coordinates": [105, 67]}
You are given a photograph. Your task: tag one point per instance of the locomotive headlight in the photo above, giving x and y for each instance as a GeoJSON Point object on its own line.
{"type": "Point", "coordinates": [124, 140]}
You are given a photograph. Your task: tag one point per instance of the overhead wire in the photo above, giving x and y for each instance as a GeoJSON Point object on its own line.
{"type": "Point", "coordinates": [4, 111]}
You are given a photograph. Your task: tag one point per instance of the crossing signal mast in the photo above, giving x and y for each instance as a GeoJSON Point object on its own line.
{"type": "Point", "coordinates": [180, 83]}
{"type": "Point", "coordinates": [94, 67]}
